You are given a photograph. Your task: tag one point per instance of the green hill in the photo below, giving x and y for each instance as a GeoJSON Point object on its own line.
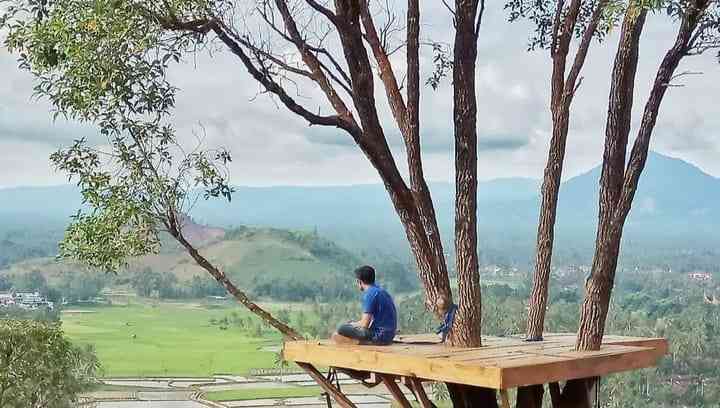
{"type": "Point", "coordinates": [269, 263]}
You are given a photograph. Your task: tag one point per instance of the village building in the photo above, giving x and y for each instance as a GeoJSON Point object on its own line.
{"type": "Point", "coordinates": [700, 276]}
{"type": "Point", "coordinates": [7, 300]}
{"type": "Point", "coordinates": [25, 300]}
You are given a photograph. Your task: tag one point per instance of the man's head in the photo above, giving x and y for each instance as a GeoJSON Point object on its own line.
{"type": "Point", "coordinates": [365, 276]}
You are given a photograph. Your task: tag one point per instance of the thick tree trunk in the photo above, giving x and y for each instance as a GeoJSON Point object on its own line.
{"type": "Point", "coordinates": [598, 288]}
{"type": "Point", "coordinates": [562, 93]}
{"type": "Point", "coordinates": [663, 78]}
{"type": "Point", "coordinates": [576, 394]}
{"type": "Point", "coordinates": [419, 186]}
{"type": "Point", "coordinates": [372, 141]}
{"type": "Point", "coordinates": [530, 396]}
{"type": "Point", "coordinates": [618, 186]}
{"type": "Point", "coordinates": [467, 396]}
{"type": "Point", "coordinates": [466, 331]}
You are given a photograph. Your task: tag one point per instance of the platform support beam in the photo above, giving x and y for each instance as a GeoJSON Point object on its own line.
{"type": "Point", "coordinates": [391, 385]}
{"type": "Point", "coordinates": [419, 391]}
{"type": "Point", "coordinates": [327, 386]}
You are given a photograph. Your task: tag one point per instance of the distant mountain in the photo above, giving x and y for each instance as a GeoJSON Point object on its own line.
{"type": "Point", "coordinates": [675, 201]}
{"type": "Point", "coordinates": [677, 208]}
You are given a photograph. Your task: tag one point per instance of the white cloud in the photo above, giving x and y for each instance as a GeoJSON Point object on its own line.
{"type": "Point", "coordinates": [271, 146]}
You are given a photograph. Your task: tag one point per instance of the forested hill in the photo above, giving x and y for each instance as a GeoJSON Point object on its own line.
{"type": "Point", "coordinates": [676, 212]}
{"type": "Point", "coordinates": [270, 263]}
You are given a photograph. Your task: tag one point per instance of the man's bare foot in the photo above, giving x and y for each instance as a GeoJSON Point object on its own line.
{"type": "Point", "coordinates": [339, 339]}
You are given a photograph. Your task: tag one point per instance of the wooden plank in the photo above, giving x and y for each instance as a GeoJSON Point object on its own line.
{"type": "Point", "coordinates": [505, 400]}
{"type": "Point", "coordinates": [502, 363]}
{"type": "Point", "coordinates": [420, 394]}
{"type": "Point", "coordinates": [541, 370]}
{"type": "Point", "coordinates": [338, 396]}
{"type": "Point", "coordinates": [397, 394]}
{"type": "Point", "coordinates": [392, 363]}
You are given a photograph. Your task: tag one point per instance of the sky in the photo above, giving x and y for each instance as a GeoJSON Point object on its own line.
{"type": "Point", "coordinates": [271, 146]}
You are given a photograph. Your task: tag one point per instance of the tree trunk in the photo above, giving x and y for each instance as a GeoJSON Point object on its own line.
{"type": "Point", "coordinates": [537, 303]}
{"type": "Point", "coordinates": [663, 78]}
{"type": "Point", "coordinates": [419, 186]}
{"type": "Point", "coordinates": [374, 145]}
{"type": "Point", "coordinates": [598, 288]}
{"type": "Point", "coordinates": [468, 396]}
{"type": "Point", "coordinates": [530, 396]}
{"type": "Point", "coordinates": [562, 94]}
{"type": "Point", "coordinates": [466, 331]}
{"type": "Point", "coordinates": [618, 186]}
{"type": "Point", "coordinates": [576, 393]}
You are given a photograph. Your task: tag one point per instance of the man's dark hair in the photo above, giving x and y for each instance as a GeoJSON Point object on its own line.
{"type": "Point", "coordinates": [366, 274]}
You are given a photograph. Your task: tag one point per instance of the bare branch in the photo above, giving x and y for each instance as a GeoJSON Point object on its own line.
{"type": "Point", "coordinates": [680, 75]}
{"type": "Point", "coordinates": [481, 12]}
{"type": "Point", "coordinates": [312, 62]}
{"type": "Point", "coordinates": [583, 48]}
{"type": "Point", "coordinates": [275, 88]}
{"type": "Point", "coordinates": [317, 50]}
{"type": "Point", "coordinates": [395, 98]}
{"type": "Point", "coordinates": [447, 6]}
{"type": "Point", "coordinates": [277, 61]}
{"type": "Point", "coordinates": [323, 10]}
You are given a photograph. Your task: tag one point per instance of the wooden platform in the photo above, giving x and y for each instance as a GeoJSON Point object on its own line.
{"type": "Point", "coordinates": [502, 362]}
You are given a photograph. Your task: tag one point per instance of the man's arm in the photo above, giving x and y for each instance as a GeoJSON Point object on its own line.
{"type": "Point", "coordinates": [364, 321]}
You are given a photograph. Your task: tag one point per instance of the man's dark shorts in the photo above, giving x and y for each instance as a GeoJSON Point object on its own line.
{"type": "Point", "coordinates": [359, 333]}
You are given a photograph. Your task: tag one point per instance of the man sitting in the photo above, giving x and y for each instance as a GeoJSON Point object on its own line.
{"type": "Point", "coordinates": [378, 322]}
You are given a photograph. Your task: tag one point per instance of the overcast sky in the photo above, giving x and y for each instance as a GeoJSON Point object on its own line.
{"type": "Point", "coordinates": [272, 147]}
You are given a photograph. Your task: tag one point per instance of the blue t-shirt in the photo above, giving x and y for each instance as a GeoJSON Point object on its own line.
{"type": "Point", "coordinates": [378, 303]}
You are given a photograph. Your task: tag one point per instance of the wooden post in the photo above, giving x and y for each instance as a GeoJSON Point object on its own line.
{"type": "Point", "coordinates": [327, 386]}
{"type": "Point", "coordinates": [392, 386]}
{"type": "Point", "coordinates": [420, 394]}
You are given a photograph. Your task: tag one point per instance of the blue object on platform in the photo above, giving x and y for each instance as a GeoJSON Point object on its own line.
{"type": "Point", "coordinates": [446, 325]}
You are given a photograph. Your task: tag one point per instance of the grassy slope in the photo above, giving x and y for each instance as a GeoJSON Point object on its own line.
{"type": "Point", "coordinates": [262, 252]}
{"type": "Point", "coordinates": [244, 259]}
{"type": "Point", "coordinates": [172, 339]}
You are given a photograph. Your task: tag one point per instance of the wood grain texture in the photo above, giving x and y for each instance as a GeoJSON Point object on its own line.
{"type": "Point", "coordinates": [502, 363]}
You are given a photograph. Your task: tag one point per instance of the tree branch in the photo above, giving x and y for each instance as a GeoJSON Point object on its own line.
{"type": "Point", "coordinates": [323, 10]}
{"type": "Point", "coordinates": [273, 87]}
{"type": "Point", "coordinates": [312, 62]}
{"type": "Point", "coordinates": [556, 26]}
{"type": "Point", "coordinates": [478, 23]}
{"type": "Point", "coordinates": [395, 98]}
{"type": "Point", "coordinates": [582, 51]}
{"type": "Point", "coordinates": [664, 75]}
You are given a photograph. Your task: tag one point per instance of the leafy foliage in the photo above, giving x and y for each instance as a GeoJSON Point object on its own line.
{"type": "Point", "coordinates": [39, 367]}
{"type": "Point", "coordinates": [104, 62]}
{"type": "Point", "coordinates": [542, 15]}
{"type": "Point", "coordinates": [443, 62]}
